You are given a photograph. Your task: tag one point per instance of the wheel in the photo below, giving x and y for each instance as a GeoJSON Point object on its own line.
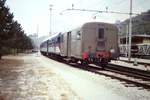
{"type": "Point", "coordinates": [103, 63]}
{"type": "Point", "coordinates": [84, 64]}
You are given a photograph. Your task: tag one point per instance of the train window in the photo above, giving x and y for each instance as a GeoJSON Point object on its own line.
{"type": "Point", "coordinates": [49, 42]}
{"type": "Point", "coordinates": [58, 39]}
{"type": "Point", "coordinates": [53, 40]}
{"type": "Point", "coordinates": [61, 38]}
{"type": "Point", "coordinates": [101, 33]}
{"type": "Point", "coordinates": [78, 35]}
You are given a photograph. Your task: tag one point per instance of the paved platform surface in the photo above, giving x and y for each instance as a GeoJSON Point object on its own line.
{"type": "Point", "coordinates": [35, 77]}
{"type": "Point", "coordinates": [142, 64]}
{"type": "Point", "coordinates": [24, 77]}
{"type": "Point", "coordinates": [146, 61]}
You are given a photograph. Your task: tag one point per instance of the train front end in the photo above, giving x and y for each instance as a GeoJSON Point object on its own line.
{"type": "Point", "coordinates": [100, 43]}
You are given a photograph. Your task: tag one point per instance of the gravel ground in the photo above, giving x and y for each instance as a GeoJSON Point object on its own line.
{"type": "Point", "coordinates": [24, 77]}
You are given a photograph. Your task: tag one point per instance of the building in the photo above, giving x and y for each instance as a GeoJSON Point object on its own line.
{"type": "Point", "coordinates": [140, 44]}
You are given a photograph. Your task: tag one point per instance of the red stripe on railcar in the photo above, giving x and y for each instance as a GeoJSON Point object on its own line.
{"type": "Point", "coordinates": [85, 55]}
{"type": "Point", "coordinates": [103, 54]}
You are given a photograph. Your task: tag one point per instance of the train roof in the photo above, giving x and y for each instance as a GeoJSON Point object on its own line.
{"type": "Point", "coordinates": [98, 23]}
{"type": "Point", "coordinates": [77, 28]}
{"type": "Point", "coordinates": [52, 36]}
{"type": "Point", "coordinates": [88, 23]}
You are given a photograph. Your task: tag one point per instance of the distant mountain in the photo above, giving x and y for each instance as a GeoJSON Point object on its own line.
{"type": "Point", "coordinates": [140, 25]}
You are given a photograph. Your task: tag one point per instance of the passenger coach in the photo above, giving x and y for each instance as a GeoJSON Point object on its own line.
{"type": "Point", "coordinates": [93, 42]}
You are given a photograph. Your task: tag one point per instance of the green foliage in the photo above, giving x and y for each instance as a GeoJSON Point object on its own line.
{"type": "Point", "coordinates": [12, 36]}
{"type": "Point", "coordinates": [141, 24]}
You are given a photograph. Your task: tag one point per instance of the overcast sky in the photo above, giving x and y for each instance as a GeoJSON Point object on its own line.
{"type": "Point", "coordinates": [35, 13]}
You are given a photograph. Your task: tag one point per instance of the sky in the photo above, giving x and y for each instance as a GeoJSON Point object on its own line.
{"type": "Point", "coordinates": [34, 15]}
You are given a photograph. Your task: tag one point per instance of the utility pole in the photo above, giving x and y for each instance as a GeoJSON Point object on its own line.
{"type": "Point", "coordinates": [37, 44]}
{"type": "Point", "coordinates": [127, 33]}
{"type": "Point", "coordinates": [130, 32]}
{"type": "Point", "coordinates": [50, 31]}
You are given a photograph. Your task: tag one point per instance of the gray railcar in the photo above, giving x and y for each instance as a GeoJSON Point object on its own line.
{"type": "Point", "coordinates": [91, 37]}
{"type": "Point", "coordinates": [91, 42]}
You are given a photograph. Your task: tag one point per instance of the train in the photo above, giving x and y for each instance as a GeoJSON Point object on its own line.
{"type": "Point", "coordinates": [92, 42]}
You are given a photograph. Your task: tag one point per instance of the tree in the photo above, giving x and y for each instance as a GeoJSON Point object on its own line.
{"type": "Point", "coordinates": [19, 41]}
{"type": "Point", "coordinates": [12, 35]}
{"type": "Point", "coordinates": [140, 24]}
{"type": "Point", "coordinates": [5, 23]}
{"type": "Point", "coordinates": [26, 43]}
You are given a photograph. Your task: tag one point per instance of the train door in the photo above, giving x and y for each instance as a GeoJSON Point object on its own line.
{"type": "Point", "coordinates": [68, 44]}
{"type": "Point", "coordinates": [77, 45]}
{"type": "Point", "coordinates": [47, 46]}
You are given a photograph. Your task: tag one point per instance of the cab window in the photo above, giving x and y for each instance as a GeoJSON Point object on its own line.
{"type": "Point", "coordinates": [78, 35]}
{"type": "Point", "coordinates": [101, 33]}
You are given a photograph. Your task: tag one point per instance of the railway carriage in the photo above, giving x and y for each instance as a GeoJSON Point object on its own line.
{"type": "Point", "coordinates": [93, 42]}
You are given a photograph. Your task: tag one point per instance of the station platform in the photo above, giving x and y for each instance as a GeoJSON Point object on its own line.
{"type": "Point", "coordinates": [142, 64]}
{"type": "Point", "coordinates": [140, 61]}
{"type": "Point", "coordinates": [29, 77]}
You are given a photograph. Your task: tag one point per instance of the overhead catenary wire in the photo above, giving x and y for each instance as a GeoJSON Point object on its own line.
{"type": "Point", "coordinates": [98, 11]}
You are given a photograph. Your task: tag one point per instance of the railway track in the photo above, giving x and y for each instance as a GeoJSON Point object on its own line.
{"type": "Point", "coordinates": [131, 77]}
{"type": "Point", "coordinates": [142, 63]}
{"type": "Point", "coordinates": [139, 80]}
{"type": "Point", "coordinates": [134, 72]}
